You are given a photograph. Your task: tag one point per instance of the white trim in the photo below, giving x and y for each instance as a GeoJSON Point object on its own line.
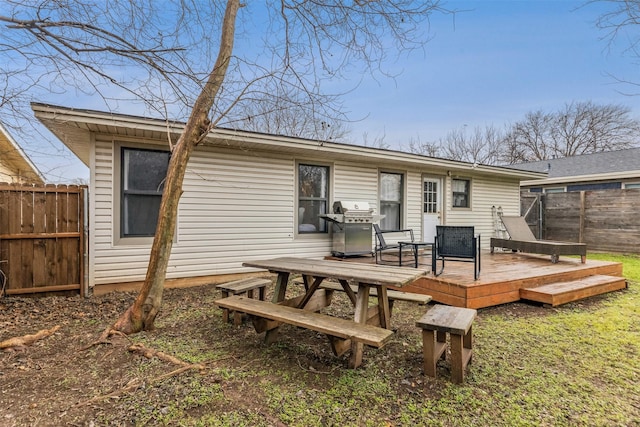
{"type": "Point", "coordinates": [581, 178]}
{"type": "Point", "coordinates": [92, 214]}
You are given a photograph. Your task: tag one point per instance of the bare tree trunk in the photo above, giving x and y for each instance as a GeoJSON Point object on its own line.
{"type": "Point", "coordinates": [141, 315]}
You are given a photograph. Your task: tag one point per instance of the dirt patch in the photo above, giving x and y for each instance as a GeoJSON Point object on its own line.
{"type": "Point", "coordinates": [53, 382]}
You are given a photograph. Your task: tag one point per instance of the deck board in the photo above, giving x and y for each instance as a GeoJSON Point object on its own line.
{"type": "Point", "coordinates": [502, 276]}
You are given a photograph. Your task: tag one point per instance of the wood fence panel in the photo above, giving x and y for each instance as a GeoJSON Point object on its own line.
{"type": "Point", "coordinates": [41, 238]}
{"type": "Point", "coordinates": [561, 217]}
{"type": "Point", "coordinates": [14, 275]}
{"type": "Point", "coordinates": [61, 247]}
{"type": "Point", "coordinates": [40, 246]}
{"type": "Point", "coordinates": [26, 245]}
{"type": "Point", "coordinates": [612, 222]}
{"type": "Point", "coordinates": [50, 224]}
{"type": "Point", "coordinates": [606, 220]}
{"type": "Point", "coordinates": [4, 225]}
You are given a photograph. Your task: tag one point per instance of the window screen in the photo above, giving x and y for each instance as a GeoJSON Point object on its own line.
{"type": "Point", "coordinates": [143, 176]}
{"type": "Point", "coordinates": [391, 200]}
{"type": "Point", "coordinates": [313, 198]}
{"type": "Point", "coordinates": [460, 189]}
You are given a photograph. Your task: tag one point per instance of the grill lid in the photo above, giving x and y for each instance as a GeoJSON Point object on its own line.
{"type": "Point", "coordinates": [352, 212]}
{"type": "Point", "coordinates": [349, 206]}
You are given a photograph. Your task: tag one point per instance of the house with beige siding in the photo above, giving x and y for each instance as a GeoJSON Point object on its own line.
{"type": "Point", "coordinates": [15, 165]}
{"type": "Point", "coordinates": [249, 195]}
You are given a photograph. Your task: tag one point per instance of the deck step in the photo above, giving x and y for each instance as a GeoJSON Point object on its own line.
{"type": "Point", "coordinates": [559, 293]}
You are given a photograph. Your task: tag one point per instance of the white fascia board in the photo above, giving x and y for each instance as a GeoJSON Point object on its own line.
{"type": "Point", "coordinates": [582, 178]}
{"type": "Point", "coordinates": [272, 142]}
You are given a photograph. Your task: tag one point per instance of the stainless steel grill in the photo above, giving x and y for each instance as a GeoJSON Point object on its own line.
{"type": "Point", "coordinates": [352, 222]}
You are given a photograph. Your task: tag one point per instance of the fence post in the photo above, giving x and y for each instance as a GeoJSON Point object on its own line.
{"type": "Point", "coordinates": [541, 216]}
{"type": "Point", "coordinates": [583, 196]}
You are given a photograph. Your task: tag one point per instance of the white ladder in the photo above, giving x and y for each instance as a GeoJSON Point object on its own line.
{"type": "Point", "coordinates": [498, 226]}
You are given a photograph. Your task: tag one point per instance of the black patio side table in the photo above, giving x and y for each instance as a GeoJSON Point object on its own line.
{"type": "Point", "coordinates": [414, 246]}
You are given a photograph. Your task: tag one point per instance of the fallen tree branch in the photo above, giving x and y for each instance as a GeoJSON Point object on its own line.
{"type": "Point", "coordinates": [104, 338]}
{"type": "Point", "coordinates": [25, 340]}
{"type": "Point", "coordinates": [134, 384]}
{"type": "Point", "coordinates": [150, 353]}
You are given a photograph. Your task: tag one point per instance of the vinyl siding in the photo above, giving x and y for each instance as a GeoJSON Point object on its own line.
{"type": "Point", "coordinates": [233, 210]}
{"type": "Point", "coordinates": [236, 206]}
{"type": "Point", "coordinates": [356, 182]}
{"type": "Point", "coordinates": [6, 174]}
{"type": "Point", "coordinates": [413, 203]}
{"type": "Point", "coordinates": [12, 175]}
{"type": "Point", "coordinates": [486, 192]}
{"type": "Point", "coordinates": [100, 214]}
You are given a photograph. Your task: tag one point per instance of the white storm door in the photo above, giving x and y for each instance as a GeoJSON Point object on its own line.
{"type": "Point", "coordinates": [431, 207]}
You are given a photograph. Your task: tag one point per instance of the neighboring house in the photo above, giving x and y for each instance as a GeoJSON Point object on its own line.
{"type": "Point", "coordinates": [598, 171]}
{"type": "Point", "coordinates": [250, 196]}
{"type": "Point", "coordinates": [15, 166]}
{"type": "Point", "coordinates": [591, 198]}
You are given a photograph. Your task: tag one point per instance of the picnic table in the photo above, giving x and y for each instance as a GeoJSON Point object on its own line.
{"type": "Point", "coordinates": [370, 325]}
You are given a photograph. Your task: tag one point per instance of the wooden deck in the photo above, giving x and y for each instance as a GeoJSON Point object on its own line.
{"type": "Point", "coordinates": [507, 277]}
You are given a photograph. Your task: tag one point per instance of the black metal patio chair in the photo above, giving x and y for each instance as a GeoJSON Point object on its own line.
{"type": "Point", "coordinates": [390, 245]}
{"type": "Point", "coordinates": [456, 243]}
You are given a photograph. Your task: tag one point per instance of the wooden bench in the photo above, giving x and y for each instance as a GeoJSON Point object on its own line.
{"type": "Point", "coordinates": [455, 321]}
{"type": "Point", "coordinates": [240, 287]}
{"type": "Point", "coordinates": [339, 331]}
{"type": "Point", "coordinates": [391, 294]}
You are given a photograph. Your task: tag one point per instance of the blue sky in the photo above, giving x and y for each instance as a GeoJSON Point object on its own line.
{"type": "Point", "coordinates": [489, 64]}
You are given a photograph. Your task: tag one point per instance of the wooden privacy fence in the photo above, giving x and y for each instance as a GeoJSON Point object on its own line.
{"type": "Point", "coordinates": [42, 238]}
{"type": "Point", "coordinates": [606, 220]}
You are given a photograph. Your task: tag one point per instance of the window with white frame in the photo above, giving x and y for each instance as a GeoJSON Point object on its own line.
{"type": "Point", "coordinates": [632, 185]}
{"type": "Point", "coordinates": [313, 198]}
{"type": "Point", "coordinates": [391, 197]}
{"type": "Point", "coordinates": [430, 196]}
{"type": "Point", "coordinates": [461, 193]}
{"type": "Point", "coordinates": [554, 190]}
{"type": "Point", "coordinates": [142, 182]}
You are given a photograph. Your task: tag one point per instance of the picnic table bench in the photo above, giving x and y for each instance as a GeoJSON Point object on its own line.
{"type": "Point", "coordinates": [240, 287]}
{"type": "Point", "coordinates": [420, 299]}
{"type": "Point", "coordinates": [339, 331]}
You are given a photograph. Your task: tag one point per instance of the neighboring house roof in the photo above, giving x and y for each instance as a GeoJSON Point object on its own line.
{"type": "Point", "coordinates": [15, 165]}
{"type": "Point", "coordinates": [607, 165]}
{"type": "Point", "coordinates": [73, 126]}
